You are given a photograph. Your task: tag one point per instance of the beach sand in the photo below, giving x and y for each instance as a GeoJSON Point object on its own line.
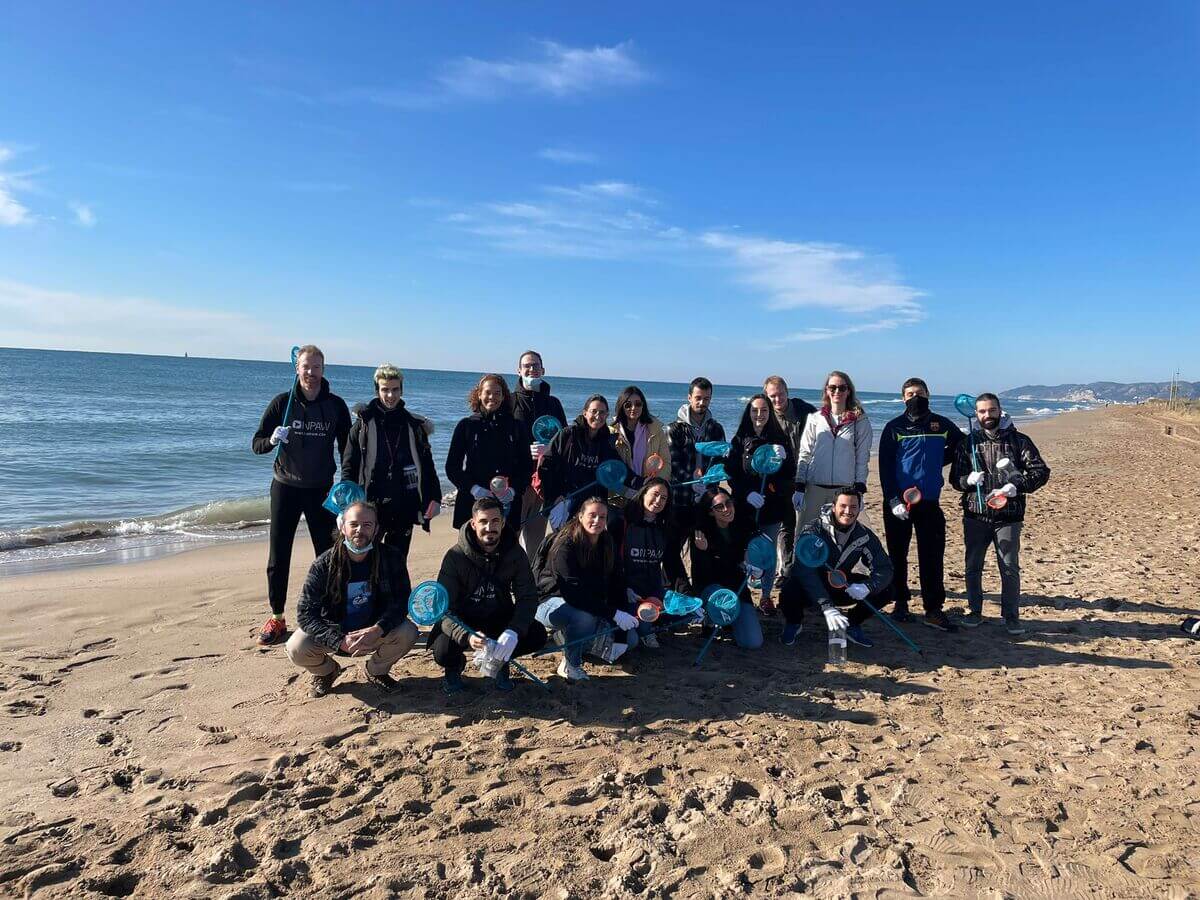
{"type": "Point", "coordinates": [149, 749]}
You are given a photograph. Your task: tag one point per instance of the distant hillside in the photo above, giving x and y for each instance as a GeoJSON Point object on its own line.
{"type": "Point", "coordinates": [1101, 391]}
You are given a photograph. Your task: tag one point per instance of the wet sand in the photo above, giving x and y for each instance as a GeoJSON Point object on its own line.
{"type": "Point", "coordinates": [149, 749]}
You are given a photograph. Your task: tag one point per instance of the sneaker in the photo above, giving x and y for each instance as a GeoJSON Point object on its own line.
{"type": "Point", "coordinates": [790, 633]}
{"type": "Point", "coordinates": [452, 683]}
{"type": "Point", "coordinates": [855, 635]}
{"type": "Point", "coordinates": [901, 614]}
{"type": "Point", "coordinates": [1014, 627]}
{"type": "Point", "coordinates": [767, 606]}
{"type": "Point", "coordinates": [570, 672]}
{"type": "Point", "coordinates": [383, 681]}
{"type": "Point", "coordinates": [650, 641]}
{"type": "Point", "coordinates": [322, 684]}
{"type": "Point", "coordinates": [274, 631]}
{"type": "Point", "coordinates": [972, 620]}
{"type": "Point", "coordinates": [939, 621]}
{"type": "Point", "coordinates": [503, 679]}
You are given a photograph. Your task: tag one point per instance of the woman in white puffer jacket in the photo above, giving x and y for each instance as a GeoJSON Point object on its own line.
{"type": "Point", "coordinates": [835, 448]}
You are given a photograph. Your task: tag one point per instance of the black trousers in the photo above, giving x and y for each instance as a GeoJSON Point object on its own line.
{"type": "Point", "coordinates": [929, 523]}
{"type": "Point", "coordinates": [287, 503]}
{"type": "Point", "coordinates": [793, 599]}
{"type": "Point", "coordinates": [449, 653]}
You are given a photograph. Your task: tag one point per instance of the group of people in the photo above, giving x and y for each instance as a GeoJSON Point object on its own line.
{"type": "Point", "coordinates": [614, 552]}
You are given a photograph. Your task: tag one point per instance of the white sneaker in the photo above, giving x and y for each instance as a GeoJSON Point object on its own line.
{"type": "Point", "coordinates": [570, 672]}
{"type": "Point", "coordinates": [650, 641]}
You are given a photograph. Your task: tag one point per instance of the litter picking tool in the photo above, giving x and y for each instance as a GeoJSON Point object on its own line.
{"type": "Point", "coordinates": [429, 603]}
{"type": "Point", "coordinates": [813, 553]}
{"type": "Point", "coordinates": [287, 410]}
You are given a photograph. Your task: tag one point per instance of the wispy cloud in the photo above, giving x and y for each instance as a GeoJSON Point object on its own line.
{"type": "Point", "coordinates": [84, 216]}
{"type": "Point", "coordinates": [12, 211]}
{"type": "Point", "coordinates": [567, 157]}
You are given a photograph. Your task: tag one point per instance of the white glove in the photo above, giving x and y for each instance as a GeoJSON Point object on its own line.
{"type": "Point", "coordinates": [479, 492]}
{"type": "Point", "coordinates": [835, 620]}
{"type": "Point", "coordinates": [624, 620]}
{"type": "Point", "coordinates": [558, 515]}
{"type": "Point", "coordinates": [1009, 490]}
{"type": "Point", "coordinates": [900, 511]}
{"type": "Point", "coordinates": [505, 645]}
{"type": "Point", "coordinates": [632, 597]}
{"type": "Point", "coordinates": [507, 497]}
{"type": "Point", "coordinates": [974, 478]}
{"type": "Point", "coordinates": [280, 435]}
{"type": "Point", "coordinates": [628, 493]}
{"type": "Point", "coordinates": [536, 451]}
{"type": "Point", "coordinates": [798, 500]}
{"type": "Point", "coordinates": [755, 499]}
{"type": "Point", "coordinates": [699, 488]}
{"type": "Point", "coordinates": [858, 591]}
{"type": "Point", "coordinates": [754, 571]}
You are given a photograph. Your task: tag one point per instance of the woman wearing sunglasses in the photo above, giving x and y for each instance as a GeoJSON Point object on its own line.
{"type": "Point", "coordinates": [834, 449]}
{"type": "Point", "coordinates": [640, 438]}
{"type": "Point", "coordinates": [719, 559]}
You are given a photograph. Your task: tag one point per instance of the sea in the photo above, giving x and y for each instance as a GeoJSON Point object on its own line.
{"type": "Point", "coordinates": [112, 457]}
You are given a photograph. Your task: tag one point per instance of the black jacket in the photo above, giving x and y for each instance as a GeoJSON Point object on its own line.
{"type": "Point", "coordinates": [648, 553]}
{"type": "Point", "coordinates": [529, 406]}
{"type": "Point", "coordinates": [589, 588]}
{"type": "Point", "coordinates": [743, 479]}
{"type": "Point", "coordinates": [484, 445]}
{"type": "Point", "coordinates": [1031, 471]}
{"type": "Point", "coordinates": [793, 421]}
{"type": "Point", "coordinates": [721, 563]}
{"type": "Point", "coordinates": [482, 587]}
{"type": "Point", "coordinates": [365, 448]}
{"type": "Point", "coordinates": [862, 550]}
{"type": "Point", "coordinates": [320, 617]}
{"type": "Point", "coordinates": [572, 458]}
{"type": "Point", "coordinates": [306, 460]}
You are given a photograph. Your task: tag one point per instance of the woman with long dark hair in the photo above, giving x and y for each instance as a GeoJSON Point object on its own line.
{"type": "Point", "coordinates": [489, 444]}
{"type": "Point", "coordinates": [578, 578]}
{"type": "Point", "coordinates": [640, 438]}
{"type": "Point", "coordinates": [719, 560]}
{"type": "Point", "coordinates": [765, 502]}
{"type": "Point", "coordinates": [835, 447]}
{"type": "Point", "coordinates": [571, 460]}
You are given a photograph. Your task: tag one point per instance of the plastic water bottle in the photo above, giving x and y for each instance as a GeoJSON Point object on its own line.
{"type": "Point", "coordinates": [486, 659]}
{"type": "Point", "coordinates": [837, 647]}
{"type": "Point", "coordinates": [1190, 626]}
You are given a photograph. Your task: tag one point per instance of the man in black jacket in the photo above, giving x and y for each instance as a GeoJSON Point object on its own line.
{"type": "Point", "coordinates": [388, 454]}
{"type": "Point", "coordinates": [491, 591]}
{"type": "Point", "coordinates": [317, 421]}
{"type": "Point", "coordinates": [793, 413]}
{"type": "Point", "coordinates": [354, 602]}
{"type": "Point", "coordinates": [531, 401]}
{"type": "Point", "coordinates": [1000, 465]}
{"type": "Point", "coordinates": [694, 423]}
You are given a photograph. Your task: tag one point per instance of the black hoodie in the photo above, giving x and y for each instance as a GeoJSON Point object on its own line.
{"type": "Point", "coordinates": [649, 555]}
{"type": "Point", "coordinates": [306, 460]}
{"type": "Point", "coordinates": [483, 445]}
{"type": "Point", "coordinates": [529, 406]}
{"type": "Point", "coordinates": [743, 479]}
{"type": "Point", "coordinates": [588, 587]}
{"type": "Point", "coordinates": [721, 562]}
{"type": "Point", "coordinates": [572, 458]}
{"type": "Point", "coordinates": [482, 586]}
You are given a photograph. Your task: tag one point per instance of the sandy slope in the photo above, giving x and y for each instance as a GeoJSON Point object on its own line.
{"type": "Point", "coordinates": [149, 749]}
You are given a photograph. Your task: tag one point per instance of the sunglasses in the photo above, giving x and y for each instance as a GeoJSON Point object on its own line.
{"type": "Point", "coordinates": [837, 388]}
{"type": "Point", "coordinates": [632, 404]}
{"type": "Point", "coordinates": [721, 507]}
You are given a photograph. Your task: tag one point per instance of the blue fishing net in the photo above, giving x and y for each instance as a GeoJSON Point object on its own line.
{"type": "Point", "coordinates": [723, 607]}
{"type": "Point", "coordinates": [342, 495]}
{"type": "Point", "coordinates": [713, 448]}
{"type": "Point", "coordinates": [767, 459]}
{"type": "Point", "coordinates": [761, 552]}
{"type": "Point", "coordinates": [965, 404]}
{"type": "Point", "coordinates": [677, 604]}
{"type": "Point", "coordinates": [611, 474]}
{"type": "Point", "coordinates": [428, 602]}
{"type": "Point", "coordinates": [811, 551]}
{"type": "Point", "coordinates": [545, 428]}
{"type": "Point", "coordinates": [715, 475]}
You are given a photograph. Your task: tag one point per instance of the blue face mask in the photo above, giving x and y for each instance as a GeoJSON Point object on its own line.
{"type": "Point", "coordinates": [350, 546]}
{"type": "Point", "coordinates": [530, 382]}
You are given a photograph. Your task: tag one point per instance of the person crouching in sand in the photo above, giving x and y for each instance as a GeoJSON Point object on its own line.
{"type": "Point", "coordinates": [354, 602]}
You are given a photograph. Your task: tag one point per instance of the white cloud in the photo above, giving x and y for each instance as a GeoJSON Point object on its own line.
{"type": "Point", "coordinates": [84, 216]}
{"type": "Point", "coordinates": [567, 157]}
{"type": "Point", "coordinates": [12, 211]}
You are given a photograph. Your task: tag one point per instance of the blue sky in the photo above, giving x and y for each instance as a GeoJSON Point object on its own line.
{"type": "Point", "coordinates": [986, 197]}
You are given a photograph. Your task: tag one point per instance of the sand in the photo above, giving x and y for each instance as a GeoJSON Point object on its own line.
{"type": "Point", "coordinates": [149, 749]}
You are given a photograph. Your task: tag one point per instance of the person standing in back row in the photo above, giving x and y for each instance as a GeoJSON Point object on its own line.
{"type": "Point", "coordinates": [835, 448]}
{"type": "Point", "coordinates": [912, 451]}
{"type": "Point", "coordinates": [1002, 463]}
{"type": "Point", "coordinates": [793, 415]}
{"type": "Point", "coordinates": [532, 400]}
{"type": "Point", "coordinates": [317, 421]}
{"type": "Point", "coordinates": [694, 423]}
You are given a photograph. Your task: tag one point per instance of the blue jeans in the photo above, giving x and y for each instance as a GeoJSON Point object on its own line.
{"type": "Point", "coordinates": [747, 631]}
{"type": "Point", "coordinates": [575, 624]}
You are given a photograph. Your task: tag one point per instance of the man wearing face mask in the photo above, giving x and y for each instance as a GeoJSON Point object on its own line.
{"type": "Point", "coordinates": [1001, 465]}
{"type": "Point", "coordinates": [531, 401]}
{"type": "Point", "coordinates": [354, 603]}
{"type": "Point", "coordinates": [913, 449]}
{"type": "Point", "coordinates": [492, 591]}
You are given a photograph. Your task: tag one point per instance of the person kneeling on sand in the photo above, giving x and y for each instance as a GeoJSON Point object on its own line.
{"type": "Point", "coordinates": [491, 590]}
{"type": "Point", "coordinates": [354, 602]}
{"type": "Point", "coordinates": [582, 590]}
{"type": "Point", "coordinates": [855, 552]}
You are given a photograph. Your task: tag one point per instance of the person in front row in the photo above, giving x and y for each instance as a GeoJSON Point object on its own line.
{"type": "Point", "coordinates": [354, 602]}
{"type": "Point", "coordinates": [718, 554]}
{"type": "Point", "coordinates": [491, 590]}
{"type": "Point", "coordinates": [579, 581]}
{"type": "Point", "coordinates": [855, 551]}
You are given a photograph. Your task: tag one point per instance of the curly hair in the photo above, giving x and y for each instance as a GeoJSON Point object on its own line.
{"type": "Point", "coordinates": [476, 405]}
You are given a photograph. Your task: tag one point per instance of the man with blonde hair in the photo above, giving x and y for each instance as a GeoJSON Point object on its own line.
{"type": "Point", "coordinates": [317, 421]}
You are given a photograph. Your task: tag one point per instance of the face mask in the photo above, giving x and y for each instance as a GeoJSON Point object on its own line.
{"type": "Point", "coordinates": [530, 382]}
{"type": "Point", "coordinates": [916, 406]}
{"type": "Point", "coordinates": [350, 546]}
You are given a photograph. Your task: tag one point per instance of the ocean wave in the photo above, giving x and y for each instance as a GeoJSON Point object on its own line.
{"type": "Point", "coordinates": [220, 515]}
